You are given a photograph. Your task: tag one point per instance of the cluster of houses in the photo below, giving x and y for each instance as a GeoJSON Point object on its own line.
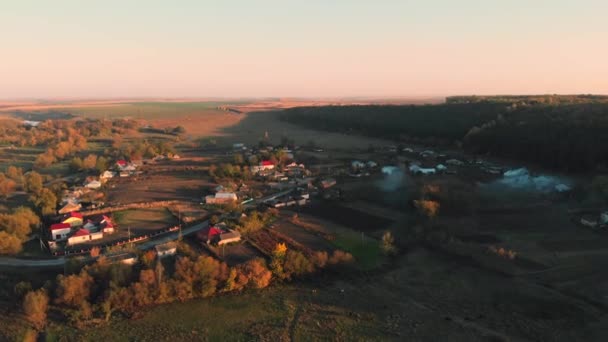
{"type": "Point", "coordinates": [359, 168]}
{"type": "Point", "coordinates": [74, 229]}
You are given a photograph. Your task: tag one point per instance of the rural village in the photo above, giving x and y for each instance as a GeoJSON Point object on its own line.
{"type": "Point", "coordinates": [154, 200]}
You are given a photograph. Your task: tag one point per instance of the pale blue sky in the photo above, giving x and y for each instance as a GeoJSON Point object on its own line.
{"type": "Point", "coordinates": [301, 48]}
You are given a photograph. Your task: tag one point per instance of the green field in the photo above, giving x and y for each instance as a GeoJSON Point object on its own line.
{"type": "Point", "coordinates": [147, 110]}
{"type": "Point", "coordinates": [366, 250]}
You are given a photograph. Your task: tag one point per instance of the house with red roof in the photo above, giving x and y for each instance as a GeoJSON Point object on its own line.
{"type": "Point", "coordinates": [264, 165]}
{"type": "Point", "coordinates": [60, 231]}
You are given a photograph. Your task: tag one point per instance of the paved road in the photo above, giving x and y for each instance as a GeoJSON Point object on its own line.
{"type": "Point", "coordinates": [14, 262]}
{"type": "Point", "coordinates": [172, 236]}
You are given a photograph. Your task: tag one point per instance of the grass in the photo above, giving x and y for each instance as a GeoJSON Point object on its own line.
{"type": "Point", "coordinates": [278, 313]}
{"type": "Point", "coordinates": [366, 250]}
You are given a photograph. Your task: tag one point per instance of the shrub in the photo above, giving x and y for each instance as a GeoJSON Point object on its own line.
{"type": "Point", "coordinates": [35, 307]}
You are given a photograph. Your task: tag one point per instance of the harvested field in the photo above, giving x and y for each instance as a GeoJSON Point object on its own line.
{"type": "Point", "coordinates": [266, 240]}
{"type": "Point", "coordinates": [303, 236]}
{"type": "Point", "coordinates": [234, 254]}
{"type": "Point", "coordinates": [157, 188]}
{"type": "Point", "coordinates": [348, 217]}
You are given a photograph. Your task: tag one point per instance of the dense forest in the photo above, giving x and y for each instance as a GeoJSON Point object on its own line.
{"type": "Point", "coordinates": [568, 133]}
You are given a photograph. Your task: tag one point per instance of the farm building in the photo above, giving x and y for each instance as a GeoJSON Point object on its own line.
{"type": "Point", "coordinates": [264, 165]}
{"type": "Point", "coordinates": [73, 218]}
{"type": "Point", "coordinates": [123, 258]}
{"type": "Point", "coordinates": [221, 198]}
{"type": "Point", "coordinates": [70, 207]}
{"type": "Point", "coordinates": [328, 183]}
{"type": "Point", "coordinates": [82, 236]}
{"type": "Point", "coordinates": [166, 249]}
{"type": "Point", "coordinates": [416, 169]}
{"type": "Point", "coordinates": [60, 231]}
{"type": "Point", "coordinates": [107, 175]}
{"type": "Point", "coordinates": [30, 123]}
{"type": "Point", "coordinates": [229, 236]}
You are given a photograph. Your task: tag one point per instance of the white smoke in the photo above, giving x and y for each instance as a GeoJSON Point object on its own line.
{"type": "Point", "coordinates": [522, 179]}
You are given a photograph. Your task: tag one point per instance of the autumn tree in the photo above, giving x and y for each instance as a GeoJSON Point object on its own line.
{"type": "Point", "coordinates": [35, 307]}
{"type": "Point", "coordinates": [9, 244]}
{"type": "Point", "coordinates": [33, 182]}
{"type": "Point", "coordinates": [296, 264]}
{"type": "Point", "coordinates": [255, 273]}
{"type": "Point", "coordinates": [277, 261]}
{"type": "Point", "coordinates": [7, 186]}
{"type": "Point", "coordinates": [89, 162]}
{"type": "Point", "coordinates": [387, 244]}
{"type": "Point", "coordinates": [45, 201]}
{"type": "Point", "coordinates": [74, 289]}
{"type": "Point", "coordinates": [15, 173]}
{"type": "Point", "coordinates": [427, 208]}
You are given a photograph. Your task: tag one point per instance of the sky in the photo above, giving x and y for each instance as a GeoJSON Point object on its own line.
{"type": "Point", "coordinates": [313, 48]}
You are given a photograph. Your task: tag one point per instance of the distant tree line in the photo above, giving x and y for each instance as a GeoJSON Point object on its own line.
{"type": "Point", "coordinates": [561, 132]}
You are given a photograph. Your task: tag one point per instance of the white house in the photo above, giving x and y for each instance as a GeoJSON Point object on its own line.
{"type": "Point", "coordinates": [221, 198]}
{"type": "Point", "coordinates": [355, 164]}
{"type": "Point", "coordinates": [83, 236]}
{"type": "Point", "coordinates": [107, 175]}
{"type": "Point", "coordinates": [60, 231]}
{"type": "Point", "coordinates": [415, 169]}
{"type": "Point", "coordinates": [93, 184]}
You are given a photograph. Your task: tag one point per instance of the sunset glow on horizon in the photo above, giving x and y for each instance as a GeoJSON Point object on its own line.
{"type": "Point", "coordinates": [301, 48]}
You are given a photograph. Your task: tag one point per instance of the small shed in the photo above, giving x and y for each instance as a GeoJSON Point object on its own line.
{"type": "Point", "coordinates": [166, 249]}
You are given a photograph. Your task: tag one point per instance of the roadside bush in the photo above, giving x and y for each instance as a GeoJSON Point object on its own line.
{"type": "Point", "coordinates": [388, 243]}
{"type": "Point", "coordinates": [296, 264]}
{"type": "Point", "coordinates": [254, 273]}
{"type": "Point", "coordinates": [74, 289]}
{"type": "Point", "coordinates": [35, 307]}
{"type": "Point", "coordinates": [340, 257]}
